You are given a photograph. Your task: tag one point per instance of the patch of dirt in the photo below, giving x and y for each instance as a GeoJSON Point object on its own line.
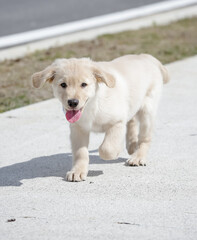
{"type": "Point", "coordinates": [167, 43]}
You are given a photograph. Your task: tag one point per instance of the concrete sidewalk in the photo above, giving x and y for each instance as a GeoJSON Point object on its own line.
{"type": "Point", "coordinates": [158, 201]}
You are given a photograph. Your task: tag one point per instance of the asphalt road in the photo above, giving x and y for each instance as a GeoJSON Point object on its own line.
{"type": "Point", "coordinates": [24, 15]}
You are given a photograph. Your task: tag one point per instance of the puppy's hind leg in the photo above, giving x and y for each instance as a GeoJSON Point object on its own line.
{"type": "Point", "coordinates": [146, 116]}
{"type": "Point", "coordinates": [132, 135]}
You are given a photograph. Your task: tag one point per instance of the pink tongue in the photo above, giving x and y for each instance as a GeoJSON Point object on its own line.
{"type": "Point", "coordinates": [73, 116]}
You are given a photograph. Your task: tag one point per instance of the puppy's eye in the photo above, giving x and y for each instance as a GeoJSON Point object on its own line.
{"type": "Point", "coordinates": [63, 85]}
{"type": "Point", "coordinates": [83, 85]}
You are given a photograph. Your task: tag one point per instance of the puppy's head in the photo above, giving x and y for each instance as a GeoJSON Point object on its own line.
{"type": "Point", "coordinates": [74, 82]}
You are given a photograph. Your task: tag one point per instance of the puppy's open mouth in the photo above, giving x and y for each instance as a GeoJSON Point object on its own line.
{"type": "Point", "coordinates": [73, 115]}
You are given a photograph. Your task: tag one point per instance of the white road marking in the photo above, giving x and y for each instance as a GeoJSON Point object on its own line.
{"type": "Point", "coordinates": [49, 32]}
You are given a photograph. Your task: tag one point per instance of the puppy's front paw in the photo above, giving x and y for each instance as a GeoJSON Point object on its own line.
{"type": "Point", "coordinates": [76, 176]}
{"type": "Point", "coordinates": [136, 161]}
{"type": "Point", "coordinates": [108, 153]}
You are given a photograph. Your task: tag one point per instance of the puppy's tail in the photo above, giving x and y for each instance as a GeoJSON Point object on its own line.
{"type": "Point", "coordinates": [162, 68]}
{"type": "Point", "coordinates": [164, 73]}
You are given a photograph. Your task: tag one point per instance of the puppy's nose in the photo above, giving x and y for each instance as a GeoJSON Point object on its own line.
{"type": "Point", "coordinates": [73, 103]}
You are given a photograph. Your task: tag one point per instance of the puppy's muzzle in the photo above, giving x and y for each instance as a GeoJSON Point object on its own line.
{"type": "Point", "coordinates": [73, 103]}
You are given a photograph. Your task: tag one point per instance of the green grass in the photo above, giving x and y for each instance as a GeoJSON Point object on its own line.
{"type": "Point", "coordinates": [169, 43]}
{"type": "Point", "coordinates": [9, 103]}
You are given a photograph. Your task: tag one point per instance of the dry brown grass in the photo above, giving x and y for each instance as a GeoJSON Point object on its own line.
{"type": "Point", "coordinates": [167, 43]}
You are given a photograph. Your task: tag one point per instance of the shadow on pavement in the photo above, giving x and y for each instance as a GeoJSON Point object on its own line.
{"type": "Point", "coordinates": [46, 166]}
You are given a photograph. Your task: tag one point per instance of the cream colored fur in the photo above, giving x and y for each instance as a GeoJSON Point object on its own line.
{"type": "Point", "coordinates": [120, 99]}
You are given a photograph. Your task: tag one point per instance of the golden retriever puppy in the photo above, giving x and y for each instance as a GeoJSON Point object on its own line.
{"type": "Point", "coordinates": [119, 98]}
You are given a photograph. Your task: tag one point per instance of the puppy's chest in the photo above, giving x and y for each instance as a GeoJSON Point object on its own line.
{"type": "Point", "coordinates": [101, 121]}
{"type": "Point", "coordinates": [93, 122]}
{"type": "Point", "coordinates": [98, 127]}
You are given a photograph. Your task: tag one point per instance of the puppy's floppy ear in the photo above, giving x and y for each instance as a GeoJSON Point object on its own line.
{"type": "Point", "coordinates": [38, 79]}
{"type": "Point", "coordinates": [102, 76]}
